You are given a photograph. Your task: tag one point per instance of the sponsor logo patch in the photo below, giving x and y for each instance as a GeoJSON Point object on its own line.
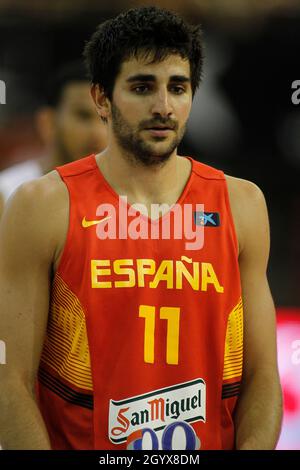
{"type": "Point", "coordinates": [185, 402]}
{"type": "Point", "coordinates": [207, 219]}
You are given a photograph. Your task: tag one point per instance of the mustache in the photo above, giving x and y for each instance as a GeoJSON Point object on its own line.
{"type": "Point", "coordinates": [159, 122]}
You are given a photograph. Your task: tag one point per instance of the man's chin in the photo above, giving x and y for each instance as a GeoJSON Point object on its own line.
{"type": "Point", "coordinates": [161, 147]}
{"type": "Point", "coordinates": [152, 158]}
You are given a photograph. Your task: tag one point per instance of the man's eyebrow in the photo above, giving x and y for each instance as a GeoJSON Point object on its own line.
{"type": "Point", "coordinates": [180, 78]}
{"type": "Point", "coordinates": [151, 78]}
{"type": "Point", "coordinates": [141, 78]}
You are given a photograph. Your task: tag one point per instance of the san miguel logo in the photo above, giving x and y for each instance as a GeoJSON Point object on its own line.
{"type": "Point", "coordinates": [156, 410]}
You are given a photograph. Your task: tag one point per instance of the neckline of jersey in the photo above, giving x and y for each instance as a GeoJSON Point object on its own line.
{"type": "Point", "coordinates": [143, 216]}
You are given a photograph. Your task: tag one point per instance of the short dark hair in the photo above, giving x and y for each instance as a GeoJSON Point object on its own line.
{"type": "Point", "coordinates": [70, 72]}
{"type": "Point", "coordinates": [153, 32]}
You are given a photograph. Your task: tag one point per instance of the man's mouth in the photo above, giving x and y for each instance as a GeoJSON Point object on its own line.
{"type": "Point", "coordinates": [159, 131]}
{"type": "Point", "coordinates": [159, 127]}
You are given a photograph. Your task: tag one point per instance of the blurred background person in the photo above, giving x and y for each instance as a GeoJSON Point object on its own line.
{"type": "Point", "coordinates": [68, 126]}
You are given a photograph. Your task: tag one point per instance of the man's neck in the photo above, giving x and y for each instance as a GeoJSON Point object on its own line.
{"type": "Point", "coordinates": [155, 184]}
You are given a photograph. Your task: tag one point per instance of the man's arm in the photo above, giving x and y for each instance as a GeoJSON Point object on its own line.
{"type": "Point", "coordinates": [258, 414]}
{"type": "Point", "coordinates": [27, 245]}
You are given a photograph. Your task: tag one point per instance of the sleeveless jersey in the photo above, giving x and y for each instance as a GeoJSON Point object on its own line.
{"type": "Point", "coordinates": [144, 343]}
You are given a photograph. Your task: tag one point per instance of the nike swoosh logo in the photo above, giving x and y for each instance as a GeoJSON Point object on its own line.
{"type": "Point", "coordinates": [88, 223]}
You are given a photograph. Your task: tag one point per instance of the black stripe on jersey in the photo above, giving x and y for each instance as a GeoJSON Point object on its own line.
{"type": "Point", "coordinates": [231, 390]}
{"type": "Point", "coordinates": [65, 392]}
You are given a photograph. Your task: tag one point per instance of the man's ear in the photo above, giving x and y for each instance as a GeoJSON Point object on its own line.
{"type": "Point", "coordinates": [101, 101]}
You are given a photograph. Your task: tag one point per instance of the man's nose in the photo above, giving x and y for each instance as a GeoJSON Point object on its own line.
{"type": "Point", "coordinates": [161, 104]}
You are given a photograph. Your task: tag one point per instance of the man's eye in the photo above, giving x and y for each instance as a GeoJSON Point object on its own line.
{"type": "Point", "coordinates": [141, 89]}
{"type": "Point", "coordinates": [178, 90]}
{"type": "Point", "coordinates": [83, 115]}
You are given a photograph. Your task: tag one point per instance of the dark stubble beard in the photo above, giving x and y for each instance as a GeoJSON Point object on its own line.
{"type": "Point", "coordinates": [137, 150]}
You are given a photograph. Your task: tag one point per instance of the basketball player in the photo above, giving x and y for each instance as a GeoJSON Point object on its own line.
{"type": "Point", "coordinates": [149, 343]}
{"type": "Point", "coordinates": [68, 125]}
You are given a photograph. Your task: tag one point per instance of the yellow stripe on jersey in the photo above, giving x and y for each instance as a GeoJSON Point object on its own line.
{"type": "Point", "coordinates": [66, 348]}
{"type": "Point", "coordinates": [233, 359]}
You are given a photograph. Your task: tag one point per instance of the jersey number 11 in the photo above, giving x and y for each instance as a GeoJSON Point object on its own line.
{"type": "Point", "coordinates": [172, 315]}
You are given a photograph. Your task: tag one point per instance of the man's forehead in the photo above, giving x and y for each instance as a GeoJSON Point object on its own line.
{"type": "Point", "coordinates": [76, 90]}
{"type": "Point", "coordinates": [172, 65]}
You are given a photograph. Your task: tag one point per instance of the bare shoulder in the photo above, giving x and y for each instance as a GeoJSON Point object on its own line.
{"type": "Point", "coordinates": [49, 185]}
{"type": "Point", "coordinates": [243, 194]}
{"type": "Point", "coordinates": [45, 196]}
{"type": "Point", "coordinates": [38, 210]}
{"type": "Point", "coordinates": [248, 208]}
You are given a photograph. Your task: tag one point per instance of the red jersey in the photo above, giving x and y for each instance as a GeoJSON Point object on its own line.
{"type": "Point", "coordinates": [144, 344]}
